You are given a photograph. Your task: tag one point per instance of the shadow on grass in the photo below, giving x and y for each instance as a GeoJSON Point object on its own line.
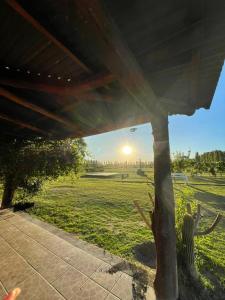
{"type": "Point", "coordinates": [196, 288]}
{"type": "Point", "coordinates": [22, 206]}
{"type": "Point", "coordinates": [213, 273]}
{"type": "Point", "coordinates": [212, 181]}
{"type": "Point", "coordinates": [214, 200]}
{"type": "Point", "coordinates": [145, 253]}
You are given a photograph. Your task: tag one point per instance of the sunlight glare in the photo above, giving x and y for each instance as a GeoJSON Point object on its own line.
{"type": "Point", "coordinates": [127, 150]}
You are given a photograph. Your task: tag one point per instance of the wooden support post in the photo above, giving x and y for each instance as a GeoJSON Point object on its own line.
{"type": "Point", "coordinates": [163, 218]}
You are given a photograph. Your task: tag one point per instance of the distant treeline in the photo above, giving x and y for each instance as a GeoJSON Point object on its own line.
{"type": "Point", "coordinates": [95, 165]}
{"type": "Point", "coordinates": [213, 156]}
{"type": "Point", "coordinates": [212, 162]}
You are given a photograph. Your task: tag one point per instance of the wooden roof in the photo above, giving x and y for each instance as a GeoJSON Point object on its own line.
{"type": "Point", "coordinates": [77, 68]}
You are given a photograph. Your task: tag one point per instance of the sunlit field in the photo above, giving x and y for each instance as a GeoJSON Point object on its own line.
{"type": "Point", "coordinates": [101, 211]}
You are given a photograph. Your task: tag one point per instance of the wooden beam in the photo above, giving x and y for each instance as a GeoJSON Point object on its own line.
{"type": "Point", "coordinates": [99, 31]}
{"type": "Point", "coordinates": [81, 88]}
{"type": "Point", "coordinates": [85, 86]}
{"type": "Point", "coordinates": [20, 101]}
{"type": "Point", "coordinates": [163, 217]}
{"type": "Point", "coordinates": [194, 77]}
{"type": "Point", "coordinates": [22, 124]}
{"type": "Point", "coordinates": [185, 39]}
{"type": "Point", "coordinates": [132, 121]}
{"type": "Point", "coordinates": [84, 98]}
{"type": "Point", "coordinates": [23, 13]}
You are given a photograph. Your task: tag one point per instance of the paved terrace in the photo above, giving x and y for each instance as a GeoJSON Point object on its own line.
{"type": "Point", "coordinates": [47, 263]}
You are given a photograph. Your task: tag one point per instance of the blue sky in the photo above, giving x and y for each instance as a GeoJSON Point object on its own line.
{"type": "Point", "coordinates": [204, 131]}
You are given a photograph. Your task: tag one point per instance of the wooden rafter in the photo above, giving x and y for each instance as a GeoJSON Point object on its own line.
{"type": "Point", "coordinates": [132, 121]}
{"type": "Point", "coordinates": [23, 13]}
{"type": "Point", "coordinates": [108, 46]}
{"type": "Point", "coordinates": [20, 101]}
{"type": "Point", "coordinates": [22, 124]}
{"type": "Point", "coordinates": [81, 88]}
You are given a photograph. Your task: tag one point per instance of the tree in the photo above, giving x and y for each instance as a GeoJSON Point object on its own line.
{"type": "Point", "coordinates": [197, 157]}
{"type": "Point", "coordinates": [220, 166]}
{"type": "Point", "coordinates": [180, 162]}
{"type": "Point", "coordinates": [212, 170]}
{"type": "Point", "coordinates": [25, 164]}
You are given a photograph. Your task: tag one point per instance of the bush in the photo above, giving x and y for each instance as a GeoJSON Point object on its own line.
{"type": "Point", "coordinates": [26, 164]}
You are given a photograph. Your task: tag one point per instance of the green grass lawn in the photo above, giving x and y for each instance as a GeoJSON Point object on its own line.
{"type": "Point", "coordinates": [97, 210]}
{"type": "Point", "coordinates": [101, 211]}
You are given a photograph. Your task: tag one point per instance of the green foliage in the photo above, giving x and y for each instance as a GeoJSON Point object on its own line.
{"type": "Point", "coordinates": [213, 156]}
{"type": "Point", "coordinates": [197, 157]}
{"type": "Point", "coordinates": [25, 164]}
{"type": "Point", "coordinates": [180, 162]}
{"type": "Point", "coordinates": [211, 162]}
{"type": "Point", "coordinates": [180, 213]}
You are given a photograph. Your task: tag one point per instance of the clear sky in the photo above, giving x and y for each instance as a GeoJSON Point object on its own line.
{"type": "Point", "coordinates": [204, 131]}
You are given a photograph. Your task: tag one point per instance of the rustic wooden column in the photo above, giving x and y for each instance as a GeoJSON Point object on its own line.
{"type": "Point", "coordinates": [163, 218]}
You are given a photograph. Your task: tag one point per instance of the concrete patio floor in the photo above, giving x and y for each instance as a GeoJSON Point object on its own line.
{"type": "Point", "coordinates": [47, 263]}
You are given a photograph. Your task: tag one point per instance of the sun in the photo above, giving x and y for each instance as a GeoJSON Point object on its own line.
{"type": "Point", "coordinates": [127, 150]}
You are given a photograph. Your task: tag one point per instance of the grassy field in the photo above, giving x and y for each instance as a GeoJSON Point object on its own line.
{"type": "Point", "coordinates": [101, 211]}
